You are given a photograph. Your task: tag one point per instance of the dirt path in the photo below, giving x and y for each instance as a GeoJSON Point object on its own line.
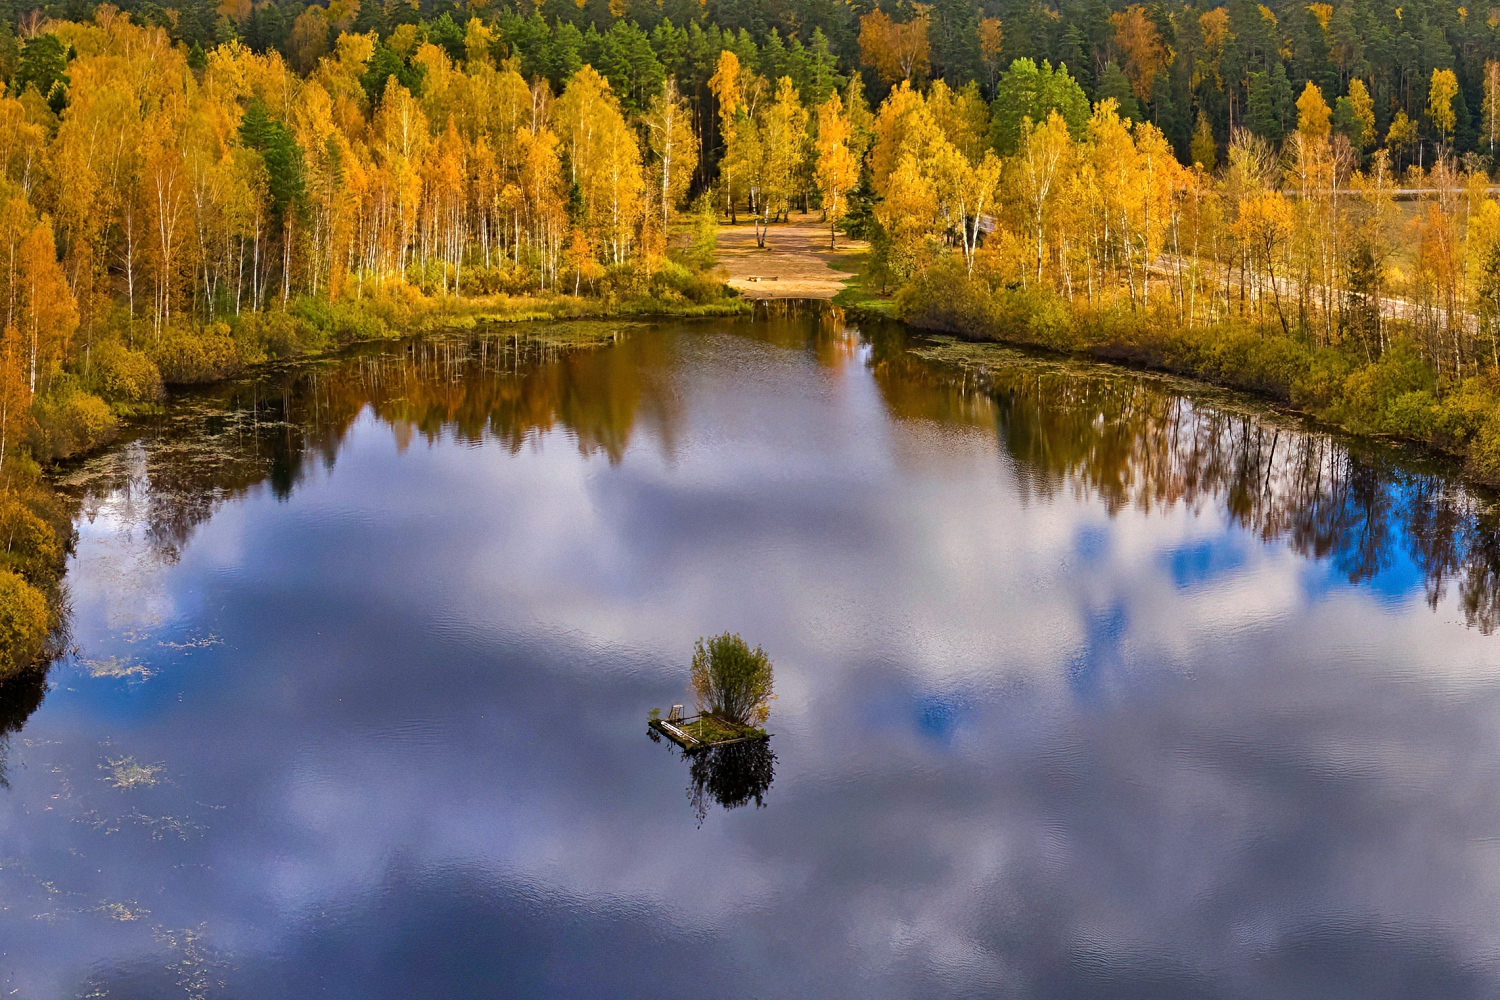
{"type": "Point", "coordinates": [795, 264]}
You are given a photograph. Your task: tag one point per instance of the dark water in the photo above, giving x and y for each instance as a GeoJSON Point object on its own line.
{"type": "Point", "coordinates": [1087, 687]}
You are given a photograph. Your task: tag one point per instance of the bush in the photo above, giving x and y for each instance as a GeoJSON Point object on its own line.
{"type": "Point", "coordinates": [1483, 460]}
{"type": "Point", "coordinates": [1318, 386]}
{"type": "Point", "coordinates": [28, 545]}
{"type": "Point", "coordinates": [944, 298]}
{"type": "Point", "coordinates": [279, 334]}
{"type": "Point", "coordinates": [1240, 355]}
{"type": "Point", "coordinates": [675, 282]}
{"type": "Point", "coordinates": [732, 680]}
{"type": "Point", "coordinates": [898, 256]}
{"type": "Point", "coordinates": [68, 421]}
{"type": "Point", "coordinates": [501, 279]}
{"type": "Point", "coordinates": [1412, 414]}
{"type": "Point", "coordinates": [341, 322]}
{"type": "Point", "coordinates": [621, 281]}
{"type": "Point", "coordinates": [186, 357]}
{"type": "Point", "coordinates": [703, 235]}
{"type": "Point", "coordinates": [1370, 391]}
{"type": "Point", "coordinates": [25, 621]}
{"type": "Point", "coordinates": [1462, 414]}
{"type": "Point", "coordinates": [122, 375]}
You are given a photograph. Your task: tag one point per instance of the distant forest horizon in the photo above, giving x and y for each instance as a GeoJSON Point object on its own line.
{"type": "Point", "coordinates": [1236, 65]}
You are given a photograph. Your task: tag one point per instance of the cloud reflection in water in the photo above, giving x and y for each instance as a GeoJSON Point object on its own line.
{"type": "Point", "coordinates": [1060, 714]}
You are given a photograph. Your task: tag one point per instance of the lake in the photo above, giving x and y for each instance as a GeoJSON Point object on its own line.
{"type": "Point", "coordinates": [1089, 683]}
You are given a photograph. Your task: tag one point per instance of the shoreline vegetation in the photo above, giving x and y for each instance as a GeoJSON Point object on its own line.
{"type": "Point", "coordinates": [1393, 399]}
{"type": "Point", "coordinates": [1292, 273]}
{"type": "Point", "coordinates": [1264, 196]}
{"type": "Point", "coordinates": [1397, 397]}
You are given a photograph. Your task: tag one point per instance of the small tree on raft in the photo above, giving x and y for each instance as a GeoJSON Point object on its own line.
{"type": "Point", "coordinates": [731, 680]}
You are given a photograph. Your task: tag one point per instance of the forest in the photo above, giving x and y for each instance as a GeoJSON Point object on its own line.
{"type": "Point", "coordinates": [1290, 198]}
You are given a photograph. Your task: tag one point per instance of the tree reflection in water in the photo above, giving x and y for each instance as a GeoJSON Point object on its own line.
{"type": "Point", "coordinates": [1130, 440]}
{"type": "Point", "coordinates": [733, 775]}
{"type": "Point", "coordinates": [213, 445]}
{"type": "Point", "coordinates": [19, 697]}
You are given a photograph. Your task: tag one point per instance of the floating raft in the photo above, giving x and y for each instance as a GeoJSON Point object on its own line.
{"type": "Point", "coordinates": [700, 732]}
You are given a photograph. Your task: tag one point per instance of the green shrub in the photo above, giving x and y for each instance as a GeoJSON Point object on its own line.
{"type": "Point", "coordinates": [503, 278]}
{"type": "Point", "coordinates": [944, 298]}
{"type": "Point", "coordinates": [67, 421]}
{"type": "Point", "coordinates": [897, 258]}
{"type": "Point", "coordinates": [732, 680]}
{"type": "Point", "coordinates": [25, 621]}
{"type": "Point", "coordinates": [1370, 391]}
{"type": "Point", "coordinates": [678, 283]}
{"type": "Point", "coordinates": [340, 322]}
{"type": "Point", "coordinates": [280, 334]}
{"type": "Point", "coordinates": [1460, 415]}
{"type": "Point", "coordinates": [190, 356]}
{"type": "Point", "coordinates": [1412, 414]}
{"type": "Point", "coordinates": [1483, 462]}
{"type": "Point", "coordinates": [1243, 357]}
{"type": "Point", "coordinates": [122, 375]}
{"type": "Point", "coordinates": [623, 281]}
{"type": "Point", "coordinates": [28, 545]}
{"type": "Point", "coordinates": [1318, 387]}
{"type": "Point", "coordinates": [703, 235]}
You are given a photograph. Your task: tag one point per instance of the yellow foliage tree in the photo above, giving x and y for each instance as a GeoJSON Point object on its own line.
{"type": "Point", "coordinates": [837, 170]}
{"type": "Point", "coordinates": [669, 126]}
{"type": "Point", "coordinates": [1440, 95]}
{"type": "Point", "coordinates": [15, 391]}
{"type": "Point", "coordinates": [783, 142]}
{"type": "Point", "coordinates": [1313, 115]}
{"type": "Point", "coordinates": [1140, 42]}
{"type": "Point", "coordinates": [48, 314]}
{"type": "Point", "coordinates": [1364, 113]}
{"type": "Point", "coordinates": [1401, 135]}
{"type": "Point", "coordinates": [895, 51]}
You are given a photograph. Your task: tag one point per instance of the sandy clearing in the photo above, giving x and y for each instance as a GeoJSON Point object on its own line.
{"type": "Point", "coordinates": [794, 263]}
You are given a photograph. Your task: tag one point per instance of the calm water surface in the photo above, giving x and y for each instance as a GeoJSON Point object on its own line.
{"type": "Point", "coordinates": [1088, 686]}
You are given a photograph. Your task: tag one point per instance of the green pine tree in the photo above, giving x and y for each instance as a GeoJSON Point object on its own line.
{"type": "Point", "coordinates": [1260, 109]}
{"type": "Point", "coordinates": [1113, 83]}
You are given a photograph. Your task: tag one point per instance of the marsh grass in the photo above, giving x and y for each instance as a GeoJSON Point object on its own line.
{"type": "Point", "coordinates": [711, 729]}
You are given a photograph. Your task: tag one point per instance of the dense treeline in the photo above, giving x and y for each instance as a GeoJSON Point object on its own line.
{"type": "Point", "coordinates": [1310, 268]}
{"type": "Point", "coordinates": [171, 214]}
{"type": "Point", "coordinates": [1240, 64]}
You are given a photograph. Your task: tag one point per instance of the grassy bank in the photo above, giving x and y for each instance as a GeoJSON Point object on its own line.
{"type": "Point", "coordinates": [861, 293]}
{"type": "Point", "coordinates": [1396, 395]}
{"type": "Point", "coordinates": [310, 327]}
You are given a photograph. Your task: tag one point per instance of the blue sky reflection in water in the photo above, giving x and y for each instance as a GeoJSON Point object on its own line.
{"type": "Point", "coordinates": [1086, 687]}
